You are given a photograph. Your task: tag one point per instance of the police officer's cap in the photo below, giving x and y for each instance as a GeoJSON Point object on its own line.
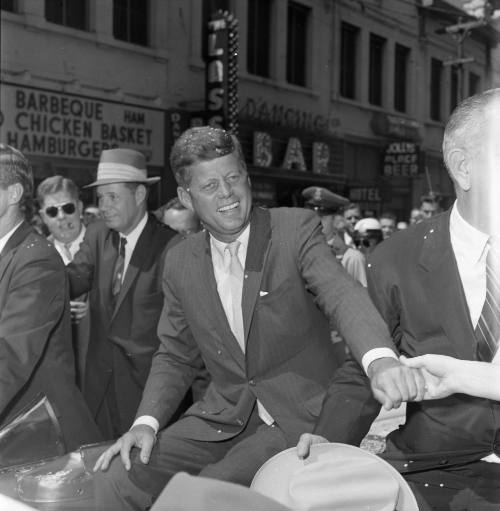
{"type": "Point", "coordinates": [322, 200]}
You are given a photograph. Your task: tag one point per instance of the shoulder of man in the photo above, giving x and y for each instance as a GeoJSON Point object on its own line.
{"type": "Point", "coordinates": [39, 248]}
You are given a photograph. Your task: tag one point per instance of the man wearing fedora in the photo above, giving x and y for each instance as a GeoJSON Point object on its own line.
{"type": "Point", "coordinates": [120, 264]}
{"type": "Point", "coordinates": [252, 298]}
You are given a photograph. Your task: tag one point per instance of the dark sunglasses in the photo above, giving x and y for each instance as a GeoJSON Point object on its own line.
{"type": "Point", "coordinates": [69, 208]}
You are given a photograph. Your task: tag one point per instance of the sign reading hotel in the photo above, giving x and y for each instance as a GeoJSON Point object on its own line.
{"type": "Point", "coordinates": [46, 123]}
{"type": "Point", "coordinates": [401, 159]}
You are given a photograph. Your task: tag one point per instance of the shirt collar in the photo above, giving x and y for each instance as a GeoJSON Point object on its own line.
{"type": "Point", "coordinates": [465, 238]}
{"type": "Point", "coordinates": [133, 236]}
{"type": "Point", "coordinates": [219, 246]}
{"type": "Point", "coordinates": [75, 243]}
{"type": "Point", "coordinates": [5, 238]}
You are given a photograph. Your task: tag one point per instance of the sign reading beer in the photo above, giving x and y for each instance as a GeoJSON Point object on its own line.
{"type": "Point", "coordinates": [221, 98]}
{"type": "Point", "coordinates": [401, 159]}
{"type": "Point", "coordinates": [46, 123]}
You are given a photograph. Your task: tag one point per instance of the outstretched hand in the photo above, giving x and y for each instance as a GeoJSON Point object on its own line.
{"type": "Point", "coordinates": [439, 373]}
{"type": "Point", "coordinates": [140, 436]}
{"type": "Point", "coordinates": [393, 383]}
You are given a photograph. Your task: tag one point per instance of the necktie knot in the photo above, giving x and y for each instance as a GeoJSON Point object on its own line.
{"type": "Point", "coordinates": [231, 255]}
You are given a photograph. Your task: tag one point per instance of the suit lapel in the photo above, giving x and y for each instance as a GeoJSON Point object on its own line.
{"type": "Point", "coordinates": [445, 286]}
{"type": "Point", "coordinates": [210, 300]}
{"type": "Point", "coordinates": [140, 255]}
{"type": "Point", "coordinates": [258, 248]}
{"type": "Point", "coordinates": [13, 242]}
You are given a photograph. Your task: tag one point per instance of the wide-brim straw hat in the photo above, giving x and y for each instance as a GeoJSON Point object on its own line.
{"type": "Point", "coordinates": [122, 165]}
{"type": "Point", "coordinates": [334, 476]}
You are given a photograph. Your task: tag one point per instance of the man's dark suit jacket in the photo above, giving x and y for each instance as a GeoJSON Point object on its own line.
{"type": "Point", "coordinates": [414, 281]}
{"type": "Point", "coordinates": [35, 336]}
{"type": "Point", "coordinates": [293, 285]}
{"type": "Point", "coordinates": [123, 337]}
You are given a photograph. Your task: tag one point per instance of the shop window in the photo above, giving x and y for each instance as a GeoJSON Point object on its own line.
{"type": "Point", "coordinates": [8, 5]}
{"type": "Point", "coordinates": [377, 45]}
{"type": "Point", "coordinates": [474, 83]}
{"type": "Point", "coordinates": [436, 84]}
{"type": "Point", "coordinates": [454, 87]}
{"type": "Point", "coordinates": [131, 21]}
{"type": "Point", "coordinates": [296, 57]}
{"type": "Point", "coordinates": [348, 59]}
{"type": "Point", "coordinates": [70, 13]}
{"type": "Point", "coordinates": [259, 36]}
{"type": "Point", "coordinates": [401, 57]}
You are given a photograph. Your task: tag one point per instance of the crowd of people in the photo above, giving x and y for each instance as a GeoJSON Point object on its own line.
{"type": "Point", "coordinates": [198, 338]}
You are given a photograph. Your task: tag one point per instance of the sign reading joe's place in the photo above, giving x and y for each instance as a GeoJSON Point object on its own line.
{"type": "Point", "coordinates": [401, 159]}
{"type": "Point", "coordinates": [46, 123]}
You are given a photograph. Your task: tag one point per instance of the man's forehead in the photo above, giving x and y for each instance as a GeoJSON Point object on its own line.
{"type": "Point", "coordinates": [61, 196]}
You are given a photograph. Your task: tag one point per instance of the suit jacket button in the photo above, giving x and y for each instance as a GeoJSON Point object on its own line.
{"type": "Point", "coordinates": [252, 383]}
{"type": "Point", "coordinates": [203, 412]}
{"type": "Point", "coordinates": [219, 431]}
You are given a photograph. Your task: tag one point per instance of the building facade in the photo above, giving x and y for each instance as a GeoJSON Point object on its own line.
{"type": "Point", "coordinates": [347, 94]}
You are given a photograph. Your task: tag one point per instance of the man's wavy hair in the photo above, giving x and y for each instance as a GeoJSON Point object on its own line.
{"type": "Point", "coordinates": [15, 168]}
{"type": "Point", "coordinates": [202, 144]}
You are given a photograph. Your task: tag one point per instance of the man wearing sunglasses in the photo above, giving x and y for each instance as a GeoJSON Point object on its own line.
{"type": "Point", "coordinates": [61, 212]}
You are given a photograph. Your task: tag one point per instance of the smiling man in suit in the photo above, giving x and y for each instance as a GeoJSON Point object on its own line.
{"type": "Point", "coordinates": [252, 298]}
{"type": "Point", "coordinates": [119, 265]}
{"type": "Point", "coordinates": [36, 354]}
{"type": "Point", "coordinates": [438, 287]}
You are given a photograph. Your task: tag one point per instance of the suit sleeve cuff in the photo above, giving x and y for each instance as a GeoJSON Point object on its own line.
{"type": "Point", "coordinates": [375, 354]}
{"type": "Point", "coordinates": [147, 420]}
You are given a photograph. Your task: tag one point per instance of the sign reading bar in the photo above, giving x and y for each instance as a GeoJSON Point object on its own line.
{"type": "Point", "coordinates": [401, 159]}
{"type": "Point", "coordinates": [46, 123]}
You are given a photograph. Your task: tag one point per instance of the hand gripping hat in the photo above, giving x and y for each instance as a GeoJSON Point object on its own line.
{"type": "Point", "coordinates": [334, 476]}
{"type": "Point", "coordinates": [367, 224]}
{"type": "Point", "coordinates": [122, 165]}
{"type": "Point", "coordinates": [323, 200]}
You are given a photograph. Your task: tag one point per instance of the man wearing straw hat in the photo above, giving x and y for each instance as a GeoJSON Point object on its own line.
{"type": "Point", "coordinates": [120, 264]}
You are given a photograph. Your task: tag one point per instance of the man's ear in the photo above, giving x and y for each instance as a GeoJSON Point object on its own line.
{"type": "Point", "coordinates": [459, 166]}
{"type": "Point", "coordinates": [140, 193]}
{"type": "Point", "coordinates": [15, 193]}
{"type": "Point", "coordinates": [185, 198]}
{"type": "Point", "coordinates": [79, 206]}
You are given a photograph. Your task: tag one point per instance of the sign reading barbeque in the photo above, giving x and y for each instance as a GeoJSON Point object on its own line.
{"type": "Point", "coordinates": [221, 98]}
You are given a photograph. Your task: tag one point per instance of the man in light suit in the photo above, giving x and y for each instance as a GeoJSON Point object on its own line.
{"type": "Point", "coordinates": [251, 298]}
{"type": "Point", "coordinates": [436, 285]}
{"type": "Point", "coordinates": [35, 332]}
{"type": "Point", "coordinates": [124, 290]}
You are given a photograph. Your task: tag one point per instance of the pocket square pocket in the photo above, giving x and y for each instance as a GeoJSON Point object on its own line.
{"type": "Point", "coordinates": [263, 293]}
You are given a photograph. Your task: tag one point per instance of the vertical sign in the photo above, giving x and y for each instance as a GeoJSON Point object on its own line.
{"type": "Point", "coordinates": [221, 97]}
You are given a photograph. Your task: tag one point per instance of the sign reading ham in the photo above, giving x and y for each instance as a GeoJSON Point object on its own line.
{"type": "Point", "coordinates": [47, 123]}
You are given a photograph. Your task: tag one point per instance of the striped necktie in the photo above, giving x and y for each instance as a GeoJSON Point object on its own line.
{"type": "Point", "coordinates": [488, 327]}
{"type": "Point", "coordinates": [119, 267]}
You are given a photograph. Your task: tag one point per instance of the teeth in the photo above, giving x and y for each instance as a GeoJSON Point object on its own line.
{"type": "Point", "coordinates": [230, 206]}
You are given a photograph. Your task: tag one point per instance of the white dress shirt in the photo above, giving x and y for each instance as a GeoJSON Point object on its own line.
{"type": "Point", "coordinates": [73, 246]}
{"type": "Point", "coordinates": [5, 238]}
{"type": "Point", "coordinates": [132, 239]}
{"type": "Point", "coordinates": [470, 247]}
